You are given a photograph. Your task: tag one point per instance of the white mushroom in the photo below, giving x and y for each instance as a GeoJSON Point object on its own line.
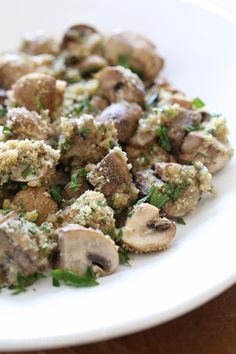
{"type": "Point", "coordinates": [146, 232]}
{"type": "Point", "coordinates": [82, 247]}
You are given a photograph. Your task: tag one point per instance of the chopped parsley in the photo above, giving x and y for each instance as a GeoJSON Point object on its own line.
{"type": "Point", "coordinates": [191, 128]}
{"type": "Point", "coordinates": [145, 160]}
{"type": "Point", "coordinates": [23, 186]}
{"type": "Point", "coordinates": [101, 203]}
{"type": "Point", "coordinates": [123, 256]}
{"type": "Point", "coordinates": [164, 141]}
{"type": "Point", "coordinates": [84, 131]}
{"type": "Point", "coordinates": [39, 103]}
{"type": "Point", "coordinates": [3, 111]}
{"type": "Point", "coordinates": [46, 227]}
{"type": "Point", "coordinates": [124, 61]}
{"type": "Point", "coordinates": [24, 281]}
{"type": "Point", "coordinates": [7, 131]}
{"type": "Point", "coordinates": [26, 172]}
{"type": "Point", "coordinates": [74, 185]}
{"type": "Point", "coordinates": [5, 211]}
{"type": "Point", "coordinates": [180, 221]}
{"type": "Point", "coordinates": [198, 103]}
{"type": "Point", "coordinates": [168, 110]}
{"type": "Point", "coordinates": [73, 279]}
{"type": "Point", "coordinates": [84, 106]}
{"type": "Point", "coordinates": [56, 194]}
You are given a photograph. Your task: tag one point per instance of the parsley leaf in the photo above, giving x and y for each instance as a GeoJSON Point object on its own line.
{"type": "Point", "coordinates": [123, 256]}
{"type": "Point", "coordinates": [24, 281]}
{"type": "Point", "coordinates": [180, 221]}
{"type": "Point", "coordinates": [191, 128]}
{"type": "Point", "coordinates": [123, 60]}
{"type": "Point", "coordinates": [7, 131]}
{"type": "Point", "coordinates": [74, 185]}
{"type": "Point", "coordinates": [84, 131]}
{"type": "Point", "coordinates": [84, 106]}
{"type": "Point", "coordinates": [74, 279]}
{"type": "Point", "coordinates": [26, 172]}
{"type": "Point", "coordinates": [3, 111]}
{"type": "Point", "coordinates": [56, 194]}
{"type": "Point", "coordinates": [82, 173]}
{"type": "Point", "coordinates": [164, 141]}
{"type": "Point", "coordinates": [198, 103]}
{"type": "Point", "coordinates": [39, 103]}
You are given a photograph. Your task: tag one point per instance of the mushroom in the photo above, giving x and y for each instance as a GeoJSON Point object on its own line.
{"type": "Point", "coordinates": [125, 117]}
{"type": "Point", "coordinates": [37, 199]}
{"type": "Point", "coordinates": [146, 232]}
{"type": "Point", "coordinates": [82, 247]}
{"type": "Point", "coordinates": [138, 51]}
{"type": "Point", "coordinates": [38, 91]}
{"type": "Point", "coordinates": [118, 84]}
{"type": "Point", "coordinates": [92, 64]}
{"type": "Point", "coordinates": [13, 66]}
{"type": "Point", "coordinates": [81, 41]}
{"type": "Point", "coordinates": [145, 179]}
{"type": "Point", "coordinates": [21, 246]}
{"type": "Point", "coordinates": [111, 177]}
{"type": "Point", "coordinates": [201, 146]}
{"type": "Point", "coordinates": [38, 43]}
{"type": "Point", "coordinates": [28, 124]}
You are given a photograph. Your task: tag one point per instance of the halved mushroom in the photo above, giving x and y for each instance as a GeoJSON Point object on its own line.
{"type": "Point", "coordinates": [92, 64]}
{"type": "Point", "coordinates": [28, 124]}
{"type": "Point", "coordinates": [119, 84]}
{"type": "Point", "coordinates": [201, 146]}
{"type": "Point", "coordinates": [21, 246]}
{"type": "Point", "coordinates": [13, 66]}
{"type": "Point", "coordinates": [137, 50]}
{"type": "Point", "coordinates": [146, 232]}
{"type": "Point", "coordinates": [38, 91]}
{"type": "Point", "coordinates": [38, 43]}
{"type": "Point", "coordinates": [125, 117]}
{"type": "Point", "coordinates": [82, 247]}
{"type": "Point", "coordinates": [37, 199]}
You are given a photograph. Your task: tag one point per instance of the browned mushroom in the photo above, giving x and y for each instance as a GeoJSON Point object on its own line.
{"type": "Point", "coordinates": [138, 52]}
{"type": "Point", "coordinates": [36, 199]}
{"type": "Point", "coordinates": [92, 64]}
{"type": "Point", "coordinates": [38, 43]}
{"type": "Point", "coordinates": [125, 117]}
{"type": "Point", "coordinates": [119, 84]}
{"type": "Point", "coordinates": [38, 91]}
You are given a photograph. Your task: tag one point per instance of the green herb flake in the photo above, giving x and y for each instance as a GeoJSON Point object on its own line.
{"type": "Point", "coordinates": [6, 211]}
{"type": "Point", "coordinates": [198, 103]}
{"type": "Point", "coordinates": [180, 221]}
{"type": "Point", "coordinates": [145, 160]}
{"type": "Point", "coordinates": [46, 227]}
{"type": "Point", "coordinates": [3, 111]}
{"type": "Point", "coordinates": [84, 131]}
{"type": "Point", "coordinates": [7, 131]}
{"type": "Point", "coordinates": [123, 60]}
{"type": "Point", "coordinates": [39, 103]}
{"type": "Point", "coordinates": [101, 203]}
{"type": "Point", "coordinates": [23, 186]}
{"type": "Point", "coordinates": [123, 256]}
{"type": "Point", "coordinates": [24, 281]}
{"type": "Point", "coordinates": [73, 279]}
{"type": "Point", "coordinates": [164, 141]}
{"type": "Point", "coordinates": [84, 106]}
{"type": "Point", "coordinates": [26, 172]}
{"type": "Point", "coordinates": [168, 110]}
{"type": "Point", "coordinates": [191, 128]}
{"type": "Point", "coordinates": [74, 185]}
{"type": "Point", "coordinates": [119, 236]}
{"type": "Point", "coordinates": [56, 194]}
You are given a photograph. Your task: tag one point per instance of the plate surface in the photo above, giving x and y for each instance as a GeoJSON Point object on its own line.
{"type": "Point", "coordinates": [200, 59]}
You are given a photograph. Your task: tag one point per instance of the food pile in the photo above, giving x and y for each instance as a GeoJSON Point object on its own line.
{"type": "Point", "coordinates": [99, 157]}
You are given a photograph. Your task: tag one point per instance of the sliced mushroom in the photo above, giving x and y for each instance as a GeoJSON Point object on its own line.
{"type": "Point", "coordinates": [201, 146]}
{"type": "Point", "coordinates": [119, 84]}
{"type": "Point", "coordinates": [38, 91]}
{"type": "Point", "coordinates": [145, 179]}
{"type": "Point", "coordinates": [146, 232]}
{"type": "Point", "coordinates": [28, 124]}
{"type": "Point", "coordinates": [37, 199]}
{"type": "Point", "coordinates": [82, 247]}
{"type": "Point", "coordinates": [13, 66]}
{"type": "Point", "coordinates": [111, 177]}
{"type": "Point", "coordinates": [138, 50]}
{"type": "Point", "coordinates": [125, 117]}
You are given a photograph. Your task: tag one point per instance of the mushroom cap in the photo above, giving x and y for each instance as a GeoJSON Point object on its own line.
{"type": "Point", "coordinates": [118, 84]}
{"type": "Point", "coordinates": [125, 117]}
{"type": "Point", "coordinates": [81, 247]}
{"type": "Point", "coordinates": [34, 87]}
{"type": "Point", "coordinates": [139, 51]}
{"type": "Point", "coordinates": [146, 232]}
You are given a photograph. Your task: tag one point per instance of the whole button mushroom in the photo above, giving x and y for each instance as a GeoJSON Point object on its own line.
{"type": "Point", "coordinates": [13, 66]}
{"type": "Point", "coordinates": [125, 117]}
{"type": "Point", "coordinates": [119, 84]}
{"type": "Point", "coordinates": [38, 91]}
{"type": "Point", "coordinates": [137, 51]}
{"type": "Point", "coordinates": [81, 247]}
{"type": "Point", "coordinates": [146, 232]}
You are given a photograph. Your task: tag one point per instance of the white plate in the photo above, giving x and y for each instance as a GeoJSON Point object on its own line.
{"type": "Point", "coordinates": [199, 48]}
